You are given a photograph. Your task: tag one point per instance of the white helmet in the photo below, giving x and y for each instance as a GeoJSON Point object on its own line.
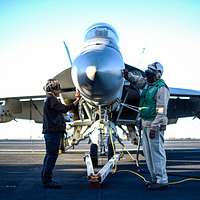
{"type": "Point", "coordinates": [156, 66]}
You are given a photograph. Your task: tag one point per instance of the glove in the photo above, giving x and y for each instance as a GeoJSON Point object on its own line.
{"type": "Point", "coordinates": [162, 127]}
{"type": "Point", "coordinates": [152, 133]}
{"type": "Point", "coordinates": [125, 73]}
{"type": "Point", "coordinates": [77, 95]}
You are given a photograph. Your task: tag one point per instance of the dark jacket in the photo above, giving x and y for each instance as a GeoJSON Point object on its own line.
{"type": "Point", "coordinates": [53, 119]}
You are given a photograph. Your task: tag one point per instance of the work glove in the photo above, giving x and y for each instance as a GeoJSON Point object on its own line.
{"type": "Point", "coordinates": [152, 133]}
{"type": "Point", "coordinates": [162, 127]}
{"type": "Point", "coordinates": [77, 95]}
{"type": "Point", "coordinates": [125, 73]}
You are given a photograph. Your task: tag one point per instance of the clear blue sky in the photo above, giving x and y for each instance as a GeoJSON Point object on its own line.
{"type": "Point", "coordinates": [31, 35]}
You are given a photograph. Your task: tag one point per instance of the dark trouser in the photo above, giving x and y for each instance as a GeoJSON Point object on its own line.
{"type": "Point", "coordinates": [52, 141]}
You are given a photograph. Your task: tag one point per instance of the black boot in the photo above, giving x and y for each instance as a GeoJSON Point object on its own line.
{"type": "Point", "coordinates": [158, 186]}
{"type": "Point", "coordinates": [52, 184]}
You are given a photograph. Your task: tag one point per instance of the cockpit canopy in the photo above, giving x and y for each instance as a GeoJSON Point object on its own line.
{"type": "Point", "coordinates": [101, 30]}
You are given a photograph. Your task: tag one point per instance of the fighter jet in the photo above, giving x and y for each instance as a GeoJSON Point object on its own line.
{"type": "Point", "coordinates": [107, 100]}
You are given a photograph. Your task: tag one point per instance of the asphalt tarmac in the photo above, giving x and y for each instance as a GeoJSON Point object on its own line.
{"type": "Point", "coordinates": [20, 176]}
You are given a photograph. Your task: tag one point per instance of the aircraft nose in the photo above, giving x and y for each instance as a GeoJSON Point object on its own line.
{"type": "Point", "coordinates": [97, 74]}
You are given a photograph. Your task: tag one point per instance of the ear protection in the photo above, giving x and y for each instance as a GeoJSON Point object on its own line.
{"type": "Point", "coordinates": [158, 75]}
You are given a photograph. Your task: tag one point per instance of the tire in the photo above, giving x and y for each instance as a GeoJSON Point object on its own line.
{"type": "Point", "coordinates": [62, 145]}
{"type": "Point", "coordinates": [110, 151]}
{"type": "Point", "coordinates": [94, 154]}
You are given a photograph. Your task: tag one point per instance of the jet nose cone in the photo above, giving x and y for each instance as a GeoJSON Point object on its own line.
{"type": "Point", "coordinates": [90, 72]}
{"type": "Point", "coordinates": [97, 74]}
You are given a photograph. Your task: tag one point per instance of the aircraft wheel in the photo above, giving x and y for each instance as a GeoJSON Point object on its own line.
{"type": "Point", "coordinates": [110, 151]}
{"type": "Point", "coordinates": [62, 145]}
{"type": "Point", "coordinates": [94, 154]}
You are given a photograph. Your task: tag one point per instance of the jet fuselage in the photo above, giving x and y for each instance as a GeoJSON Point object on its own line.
{"type": "Point", "coordinates": [97, 70]}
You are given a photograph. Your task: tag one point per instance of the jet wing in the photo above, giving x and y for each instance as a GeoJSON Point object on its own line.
{"type": "Point", "coordinates": [134, 70]}
{"type": "Point", "coordinates": [183, 103]}
{"type": "Point", "coordinates": [179, 92]}
{"type": "Point", "coordinates": [31, 107]}
{"type": "Point", "coordinates": [26, 107]}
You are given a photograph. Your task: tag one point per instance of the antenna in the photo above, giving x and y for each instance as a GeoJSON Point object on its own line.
{"type": "Point", "coordinates": [69, 57]}
{"type": "Point", "coordinates": [141, 54]}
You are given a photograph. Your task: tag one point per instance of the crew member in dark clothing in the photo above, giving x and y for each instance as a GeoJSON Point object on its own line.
{"type": "Point", "coordinates": [53, 129]}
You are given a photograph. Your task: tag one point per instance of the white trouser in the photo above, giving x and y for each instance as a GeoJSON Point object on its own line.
{"type": "Point", "coordinates": [155, 156]}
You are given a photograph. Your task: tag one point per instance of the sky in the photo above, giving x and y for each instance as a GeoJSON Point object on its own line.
{"type": "Point", "coordinates": [32, 51]}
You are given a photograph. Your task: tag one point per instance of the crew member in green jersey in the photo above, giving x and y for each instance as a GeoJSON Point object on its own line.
{"type": "Point", "coordinates": [153, 112]}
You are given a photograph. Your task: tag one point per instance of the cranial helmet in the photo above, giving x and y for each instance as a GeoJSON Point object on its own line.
{"type": "Point", "coordinates": [156, 66]}
{"type": "Point", "coordinates": [52, 85]}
